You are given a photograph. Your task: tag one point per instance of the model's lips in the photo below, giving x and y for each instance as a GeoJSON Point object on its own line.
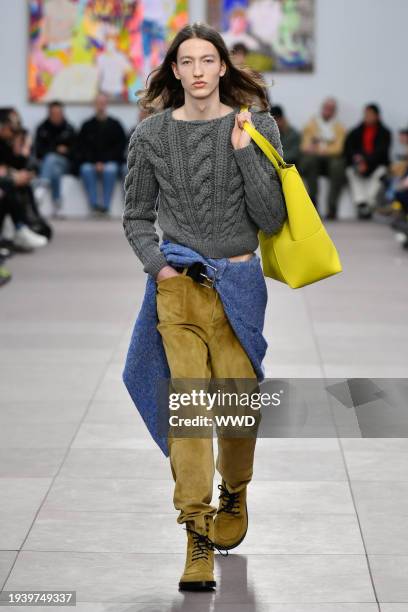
{"type": "Point", "coordinates": [199, 84]}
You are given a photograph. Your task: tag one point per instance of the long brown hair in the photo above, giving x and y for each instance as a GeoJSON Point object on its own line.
{"type": "Point", "coordinates": [238, 86]}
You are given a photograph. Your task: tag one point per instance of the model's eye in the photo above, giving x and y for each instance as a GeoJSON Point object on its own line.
{"type": "Point", "coordinates": [188, 61]}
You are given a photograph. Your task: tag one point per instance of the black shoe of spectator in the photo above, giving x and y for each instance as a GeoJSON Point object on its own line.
{"type": "Point", "coordinates": [400, 223]}
{"type": "Point", "coordinates": [104, 211]}
{"type": "Point", "coordinates": [100, 213]}
{"type": "Point", "coordinates": [331, 216]}
{"type": "Point", "coordinates": [14, 248]}
{"type": "Point", "coordinates": [6, 244]}
{"type": "Point", "coordinates": [5, 253]}
{"type": "Point", "coordinates": [364, 211]}
{"type": "Point", "coordinates": [42, 228]}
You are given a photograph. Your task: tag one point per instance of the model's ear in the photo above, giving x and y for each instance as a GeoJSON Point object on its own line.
{"type": "Point", "coordinates": [175, 71]}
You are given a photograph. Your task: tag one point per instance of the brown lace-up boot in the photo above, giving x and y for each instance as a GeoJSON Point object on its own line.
{"type": "Point", "coordinates": [198, 572]}
{"type": "Point", "coordinates": [231, 520]}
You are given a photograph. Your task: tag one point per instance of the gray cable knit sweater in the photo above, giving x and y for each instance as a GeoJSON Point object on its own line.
{"type": "Point", "coordinates": [209, 196]}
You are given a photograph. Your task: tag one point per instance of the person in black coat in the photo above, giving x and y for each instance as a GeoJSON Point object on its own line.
{"type": "Point", "coordinates": [17, 197]}
{"type": "Point", "coordinates": [101, 147]}
{"type": "Point", "coordinates": [367, 150]}
{"type": "Point", "coordinates": [290, 137]}
{"type": "Point", "coordinates": [54, 148]}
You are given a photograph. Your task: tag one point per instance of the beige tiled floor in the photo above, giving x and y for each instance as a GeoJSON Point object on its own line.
{"type": "Point", "coordinates": [86, 496]}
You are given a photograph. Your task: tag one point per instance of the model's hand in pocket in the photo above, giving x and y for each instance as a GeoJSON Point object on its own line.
{"type": "Point", "coordinates": [166, 272]}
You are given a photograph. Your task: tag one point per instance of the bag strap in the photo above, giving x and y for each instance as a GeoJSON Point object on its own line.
{"type": "Point", "coordinates": [264, 144]}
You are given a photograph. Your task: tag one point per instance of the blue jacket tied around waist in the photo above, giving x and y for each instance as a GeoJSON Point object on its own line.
{"type": "Point", "coordinates": [242, 289]}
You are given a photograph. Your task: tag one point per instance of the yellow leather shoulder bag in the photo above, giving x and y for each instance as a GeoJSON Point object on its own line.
{"type": "Point", "coordinates": [301, 252]}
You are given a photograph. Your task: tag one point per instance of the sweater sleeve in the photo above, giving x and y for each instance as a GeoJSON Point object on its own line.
{"type": "Point", "coordinates": [263, 190]}
{"type": "Point", "coordinates": [139, 215]}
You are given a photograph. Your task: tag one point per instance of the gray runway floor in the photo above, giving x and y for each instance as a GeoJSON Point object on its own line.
{"type": "Point", "coordinates": [86, 496]}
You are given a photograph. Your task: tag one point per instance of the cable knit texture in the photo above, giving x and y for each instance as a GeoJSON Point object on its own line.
{"type": "Point", "coordinates": [203, 193]}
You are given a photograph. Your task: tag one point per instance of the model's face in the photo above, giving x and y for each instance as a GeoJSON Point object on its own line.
{"type": "Point", "coordinates": [198, 60]}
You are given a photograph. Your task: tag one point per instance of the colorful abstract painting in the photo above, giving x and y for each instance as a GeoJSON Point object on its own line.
{"type": "Point", "coordinates": [278, 34]}
{"type": "Point", "coordinates": [78, 48]}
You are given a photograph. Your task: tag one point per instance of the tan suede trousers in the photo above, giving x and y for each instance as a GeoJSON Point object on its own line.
{"type": "Point", "coordinates": [199, 342]}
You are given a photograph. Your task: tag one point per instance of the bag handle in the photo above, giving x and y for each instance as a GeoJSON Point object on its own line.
{"type": "Point", "coordinates": [264, 144]}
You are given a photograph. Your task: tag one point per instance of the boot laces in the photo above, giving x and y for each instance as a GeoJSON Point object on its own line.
{"type": "Point", "coordinates": [201, 545]}
{"type": "Point", "coordinates": [230, 501]}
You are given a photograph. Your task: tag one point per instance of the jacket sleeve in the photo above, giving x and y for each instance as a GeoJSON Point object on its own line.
{"type": "Point", "coordinates": [139, 216]}
{"type": "Point", "coordinates": [349, 145]}
{"type": "Point", "coordinates": [292, 147]}
{"type": "Point", "coordinates": [263, 190]}
{"type": "Point", "coordinates": [83, 151]}
{"type": "Point", "coordinates": [41, 144]}
{"type": "Point", "coordinates": [380, 155]}
{"type": "Point", "coordinates": [119, 144]}
{"type": "Point", "coordinates": [309, 132]}
{"type": "Point", "coordinates": [70, 141]}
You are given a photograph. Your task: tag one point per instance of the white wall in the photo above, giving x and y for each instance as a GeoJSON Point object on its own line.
{"type": "Point", "coordinates": [360, 57]}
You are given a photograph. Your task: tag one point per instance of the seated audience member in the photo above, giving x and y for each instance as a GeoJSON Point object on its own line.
{"type": "Point", "coordinates": [397, 171]}
{"type": "Point", "coordinates": [322, 154]}
{"type": "Point", "coordinates": [401, 192]}
{"type": "Point", "coordinates": [23, 159]}
{"type": "Point", "coordinates": [101, 145]}
{"type": "Point", "coordinates": [367, 154]}
{"type": "Point", "coordinates": [289, 136]}
{"type": "Point", "coordinates": [24, 240]}
{"type": "Point", "coordinates": [14, 117]}
{"type": "Point", "coordinates": [397, 192]}
{"type": "Point", "coordinates": [16, 146]}
{"type": "Point", "coordinates": [16, 177]}
{"type": "Point", "coordinates": [239, 52]}
{"type": "Point", "coordinates": [54, 148]}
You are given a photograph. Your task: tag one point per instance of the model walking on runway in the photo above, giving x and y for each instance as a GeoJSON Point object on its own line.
{"type": "Point", "coordinates": [214, 190]}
